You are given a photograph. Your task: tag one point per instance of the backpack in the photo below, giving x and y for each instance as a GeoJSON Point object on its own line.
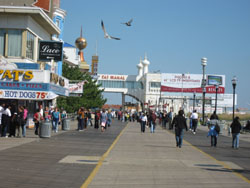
{"type": "Point", "coordinates": [217, 128]}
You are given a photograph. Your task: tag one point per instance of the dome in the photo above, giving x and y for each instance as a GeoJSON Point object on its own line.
{"type": "Point", "coordinates": [140, 64]}
{"type": "Point", "coordinates": [145, 61]}
{"type": "Point", "coordinates": [81, 43]}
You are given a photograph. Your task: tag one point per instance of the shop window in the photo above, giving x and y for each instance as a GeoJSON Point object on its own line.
{"type": "Point", "coordinates": [30, 45]}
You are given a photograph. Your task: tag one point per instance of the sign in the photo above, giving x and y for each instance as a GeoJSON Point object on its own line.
{"type": "Point", "coordinates": [34, 87]}
{"type": "Point", "coordinates": [112, 77]}
{"type": "Point", "coordinates": [187, 83]}
{"type": "Point", "coordinates": [16, 75]}
{"type": "Point", "coordinates": [76, 88]}
{"type": "Point", "coordinates": [17, 94]}
{"type": "Point", "coordinates": [214, 80]}
{"type": "Point", "coordinates": [50, 50]}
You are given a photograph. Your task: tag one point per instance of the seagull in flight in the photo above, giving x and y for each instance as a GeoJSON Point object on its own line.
{"type": "Point", "coordinates": [106, 35]}
{"type": "Point", "coordinates": [128, 23]}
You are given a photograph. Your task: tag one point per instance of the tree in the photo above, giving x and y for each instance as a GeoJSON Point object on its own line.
{"type": "Point", "coordinates": [91, 97]}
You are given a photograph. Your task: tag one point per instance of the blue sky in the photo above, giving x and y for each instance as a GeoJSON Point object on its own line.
{"type": "Point", "coordinates": [175, 34]}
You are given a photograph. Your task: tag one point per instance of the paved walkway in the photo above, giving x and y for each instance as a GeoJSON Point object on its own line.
{"type": "Point", "coordinates": [151, 160]}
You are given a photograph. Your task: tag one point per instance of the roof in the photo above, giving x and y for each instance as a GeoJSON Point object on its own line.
{"type": "Point", "coordinates": [68, 45]}
{"type": "Point", "coordinates": [36, 13]}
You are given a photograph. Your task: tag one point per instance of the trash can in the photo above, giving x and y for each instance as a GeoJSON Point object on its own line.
{"type": "Point", "coordinates": [45, 129]}
{"type": "Point", "coordinates": [65, 124]}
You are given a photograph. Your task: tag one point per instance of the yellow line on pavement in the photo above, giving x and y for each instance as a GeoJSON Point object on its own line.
{"type": "Point", "coordinates": [99, 164]}
{"type": "Point", "coordinates": [220, 162]}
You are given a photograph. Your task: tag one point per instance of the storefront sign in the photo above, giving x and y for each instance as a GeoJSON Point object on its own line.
{"type": "Point", "coordinates": [34, 87]}
{"type": "Point", "coordinates": [112, 77]}
{"type": "Point", "coordinates": [30, 95]}
{"type": "Point", "coordinates": [16, 75]}
{"type": "Point", "coordinates": [50, 50]}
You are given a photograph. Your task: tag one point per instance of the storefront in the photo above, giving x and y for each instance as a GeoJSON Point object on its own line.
{"type": "Point", "coordinates": [30, 87]}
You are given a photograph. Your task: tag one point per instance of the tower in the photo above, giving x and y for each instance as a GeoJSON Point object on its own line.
{"type": "Point", "coordinates": [140, 67]}
{"type": "Point", "coordinates": [145, 63]}
{"type": "Point", "coordinates": [81, 43]}
{"type": "Point", "coordinates": [94, 67]}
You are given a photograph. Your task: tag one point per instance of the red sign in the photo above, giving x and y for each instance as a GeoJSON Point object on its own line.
{"type": "Point", "coordinates": [209, 89]}
{"type": "Point", "coordinates": [44, 4]}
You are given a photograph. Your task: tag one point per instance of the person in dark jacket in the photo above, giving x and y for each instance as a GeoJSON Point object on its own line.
{"type": "Point", "coordinates": [180, 124]}
{"type": "Point", "coordinates": [236, 127]}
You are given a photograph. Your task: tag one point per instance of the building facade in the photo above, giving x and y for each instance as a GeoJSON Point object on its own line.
{"type": "Point", "coordinates": [25, 79]}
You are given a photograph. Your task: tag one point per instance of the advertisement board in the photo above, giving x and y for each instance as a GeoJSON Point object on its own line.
{"type": "Point", "coordinates": [27, 95]}
{"type": "Point", "coordinates": [50, 50]}
{"type": "Point", "coordinates": [214, 80]}
{"type": "Point", "coordinates": [188, 83]}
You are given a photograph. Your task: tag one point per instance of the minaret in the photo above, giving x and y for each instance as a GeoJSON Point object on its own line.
{"type": "Point", "coordinates": [81, 43]}
{"type": "Point", "coordinates": [140, 68]}
{"type": "Point", "coordinates": [145, 63]}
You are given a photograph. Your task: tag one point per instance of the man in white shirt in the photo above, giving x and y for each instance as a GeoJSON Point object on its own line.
{"type": "Point", "coordinates": [144, 120]}
{"type": "Point", "coordinates": [7, 115]}
{"type": "Point", "coordinates": [1, 111]}
{"type": "Point", "coordinates": [194, 118]}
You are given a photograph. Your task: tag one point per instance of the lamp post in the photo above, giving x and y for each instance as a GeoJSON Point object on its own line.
{"type": "Point", "coordinates": [216, 92]}
{"type": "Point", "coordinates": [234, 80]}
{"type": "Point", "coordinates": [194, 101]}
{"type": "Point", "coordinates": [182, 90]}
{"type": "Point", "coordinates": [203, 85]}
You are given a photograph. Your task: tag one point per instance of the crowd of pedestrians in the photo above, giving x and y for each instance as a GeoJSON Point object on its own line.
{"type": "Point", "coordinates": [13, 122]}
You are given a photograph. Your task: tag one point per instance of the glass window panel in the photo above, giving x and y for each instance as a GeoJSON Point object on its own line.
{"type": "Point", "coordinates": [2, 43]}
{"type": "Point", "coordinates": [14, 43]}
{"type": "Point", "coordinates": [30, 45]}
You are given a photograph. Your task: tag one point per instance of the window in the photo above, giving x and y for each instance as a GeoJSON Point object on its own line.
{"type": "Point", "coordinates": [14, 42]}
{"type": "Point", "coordinates": [155, 84]}
{"type": "Point", "coordinates": [30, 45]}
{"type": "Point", "coordinates": [2, 41]}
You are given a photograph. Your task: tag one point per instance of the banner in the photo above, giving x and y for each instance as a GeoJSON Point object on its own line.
{"type": "Point", "coordinates": [188, 83]}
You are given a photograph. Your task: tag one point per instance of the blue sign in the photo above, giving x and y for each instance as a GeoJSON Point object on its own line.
{"type": "Point", "coordinates": [33, 87]}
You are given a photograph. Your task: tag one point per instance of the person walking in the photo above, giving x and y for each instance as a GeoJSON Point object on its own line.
{"type": "Point", "coordinates": [180, 124]}
{"type": "Point", "coordinates": [236, 127]}
{"type": "Point", "coordinates": [109, 118]}
{"type": "Point", "coordinates": [103, 120]}
{"type": "Point", "coordinates": [56, 118]}
{"type": "Point", "coordinates": [89, 118]}
{"type": "Point", "coordinates": [20, 120]}
{"type": "Point", "coordinates": [2, 108]}
{"type": "Point", "coordinates": [97, 119]}
{"type": "Point", "coordinates": [152, 120]}
{"type": "Point", "coordinates": [6, 118]}
{"type": "Point", "coordinates": [194, 118]}
{"type": "Point", "coordinates": [144, 120]}
{"type": "Point", "coordinates": [80, 118]}
{"type": "Point", "coordinates": [213, 126]}
{"type": "Point", "coordinates": [25, 117]}
{"type": "Point", "coordinates": [169, 119]}
{"type": "Point", "coordinates": [37, 119]}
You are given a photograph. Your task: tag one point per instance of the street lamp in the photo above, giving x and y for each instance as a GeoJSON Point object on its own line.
{"type": "Point", "coordinates": [194, 101]}
{"type": "Point", "coordinates": [234, 80]}
{"type": "Point", "coordinates": [216, 92]}
{"type": "Point", "coordinates": [203, 85]}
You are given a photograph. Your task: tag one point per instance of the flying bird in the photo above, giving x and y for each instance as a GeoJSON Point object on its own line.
{"type": "Point", "coordinates": [128, 23]}
{"type": "Point", "coordinates": [106, 35]}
